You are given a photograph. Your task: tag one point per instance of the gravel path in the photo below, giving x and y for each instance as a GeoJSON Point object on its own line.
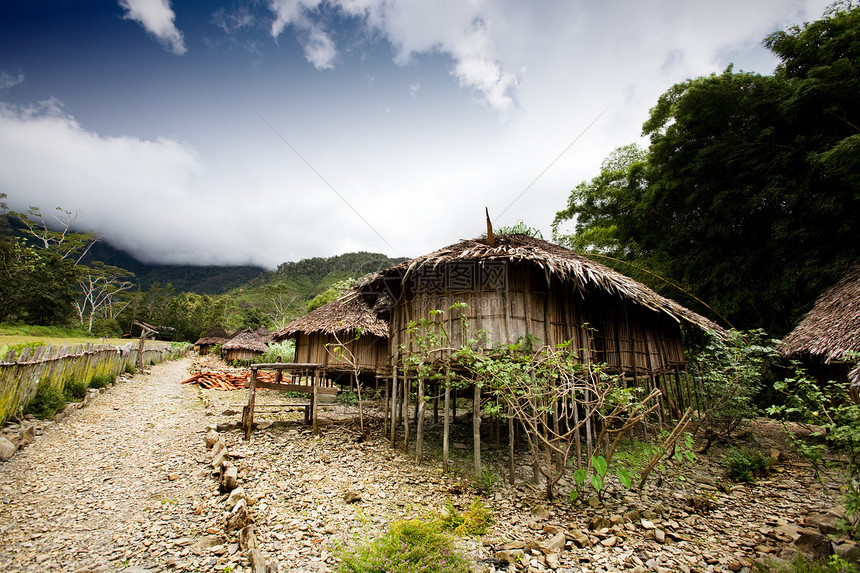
{"type": "Point", "coordinates": [114, 485]}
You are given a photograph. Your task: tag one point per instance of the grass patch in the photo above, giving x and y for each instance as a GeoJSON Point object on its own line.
{"type": "Point", "coordinates": [745, 464]}
{"type": "Point", "coordinates": [74, 390]}
{"type": "Point", "coordinates": [801, 565]}
{"type": "Point", "coordinates": [410, 546]}
{"type": "Point", "coordinates": [47, 401]}
{"type": "Point", "coordinates": [473, 521]}
{"type": "Point", "coordinates": [102, 380]}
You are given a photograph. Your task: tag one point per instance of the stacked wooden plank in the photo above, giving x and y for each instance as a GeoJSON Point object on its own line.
{"type": "Point", "coordinates": [214, 380]}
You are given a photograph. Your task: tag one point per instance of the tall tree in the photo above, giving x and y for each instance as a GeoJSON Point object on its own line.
{"type": "Point", "coordinates": [748, 195]}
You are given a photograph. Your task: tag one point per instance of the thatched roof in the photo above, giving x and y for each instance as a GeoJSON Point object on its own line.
{"type": "Point", "coordinates": [553, 260]}
{"type": "Point", "coordinates": [214, 335]}
{"type": "Point", "coordinates": [264, 333]}
{"type": "Point", "coordinates": [245, 340]}
{"type": "Point", "coordinates": [346, 314]}
{"type": "Point", "coordinates": [832, 328]}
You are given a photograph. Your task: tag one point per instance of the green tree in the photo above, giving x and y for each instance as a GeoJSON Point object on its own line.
{"type": "Point", "coordinates": [749, 194]}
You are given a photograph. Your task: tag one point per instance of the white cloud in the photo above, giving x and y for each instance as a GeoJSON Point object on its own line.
{"type": "Point", "coordinates": [8, 80]}
{"type": "Point", "coordinates": [157, 18]}
{"type": "Point", "coordinates": [414, 88]}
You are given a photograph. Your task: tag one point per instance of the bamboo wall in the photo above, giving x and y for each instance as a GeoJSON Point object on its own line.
{"type": "Point", "coordinates": [55, 365]}
{"type": "Point", "coordinates": [371, 352]}
{"type": "Point", "coordinates": [241, 354]}
{"type": "Point", "coordinates": [517, 299]}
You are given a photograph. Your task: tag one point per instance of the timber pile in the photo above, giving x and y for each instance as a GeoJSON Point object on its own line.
{"type": "Point", "coordinates": [219, 380]}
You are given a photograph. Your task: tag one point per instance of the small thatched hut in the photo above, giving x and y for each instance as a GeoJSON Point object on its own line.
{"type": "Point", "coordinates": [520, 285]}
{"type": "Point", "coordinates": [244, 346]}
{"type": "Point", "coordinates": [319, 333]}
{"type": "Point", "coordinates": [828, 337]}
{"type": "Point", "coordinates": [213, 336]}
{"type": "Point", "coordinates": [264, 334]}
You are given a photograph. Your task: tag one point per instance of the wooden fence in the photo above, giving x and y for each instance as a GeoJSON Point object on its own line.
{"type": "Point", "coordinates": [55, 365]}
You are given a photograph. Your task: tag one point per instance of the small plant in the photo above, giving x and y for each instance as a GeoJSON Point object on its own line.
{"type": "Point", "coordinates": [487, 482]}
{"type": "Point", "coordinates": [703, 503]}
{"type": "Point", "coordinates": [130, 369]}
{"type": "Point", "coordinates": [473, 521]}
{"type": "Point", "coordinates": [102, 380]}
{"type": "Point", "coordinates": [47, 400]}
{"type": "Point", "coordinates": [349, 397]}
{"type": "Point", "coordinates": [409, 546]}
{"type": "Point", "coordinates": [800, 564]}
{"type": "Point", "coordinates": [74, 390]}
{"type": "Point", "coordinates": [745, 464]}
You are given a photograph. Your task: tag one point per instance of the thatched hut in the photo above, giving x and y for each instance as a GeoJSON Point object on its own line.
{"type": "Point", "coordinates": [828, 337]}
{"type": "Point", "coordinates": [213, 336]}
{"type": "Point", "coordinates": [264, 334]}
{"type": "Point", "coordinates": [348, 323]}
{"type": "Point", "coordinates": [244, 346]}
{"type": "Point", "coordinates": [520, 286]}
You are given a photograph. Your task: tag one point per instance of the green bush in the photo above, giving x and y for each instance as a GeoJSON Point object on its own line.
{"type": "Point", "coordinates": [46, 402]}
{"type": "Point", "coordinates": [130, 369]}
{"type": "Point", "coordinates": [285, 351]}
{"type": "Point", "coordinates": [802, 565]}
{"type": "Point", "coordinates": [348, 397]}
{"type": "Point", "coordinates": [102, 380]}
{"type": "Point", "coordinates": [411, 546]}
{"type": "Point", "coordinates": [74, 390]}
{"type": "Point", "coordinates": [472, 521]}
{"type": "Point", "coordinates": [745, 465]}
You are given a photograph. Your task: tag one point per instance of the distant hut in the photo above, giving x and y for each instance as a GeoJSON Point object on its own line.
{"type": "Point", "coordinates": [264, 334]}
{"type": "Point", "coordinates": [212, 337]}
{"type": "Point", "coordinates": [244, 346]}
{"type": "Point", "coordinates": [828, 337]}
{"type": "Point", "coordinates": [520, 285]}
{"type": "Point", "coordinates": [318, 333]}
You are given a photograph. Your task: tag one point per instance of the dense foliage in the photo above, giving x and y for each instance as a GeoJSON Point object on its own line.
{"type": "Point", "coordinates": [749, 195]}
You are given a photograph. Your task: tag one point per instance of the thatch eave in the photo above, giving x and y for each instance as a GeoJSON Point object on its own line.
{"type": "Point", "coordinates": [245, 340]}
{"type": "Point", "coordinates": [830, 332]}
{"type": "Point", "coordinates": [341, 317]}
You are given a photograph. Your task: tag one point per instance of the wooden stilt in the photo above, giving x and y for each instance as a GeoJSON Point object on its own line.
{"type": "Point", "coordinates": [419, 417]}
{"type": "Point", "coordinates": [512, 466]}
{"type": "Point", "coordinates": [394, 404]}
{"type": "Point", "coordinates": [315, 382]}
{"type": "Point", "coordinates": [405, 412]}
{"type": "Point", "coordinates": [476, 429]}
{"type": "Point", "coordinates": [446, 420]}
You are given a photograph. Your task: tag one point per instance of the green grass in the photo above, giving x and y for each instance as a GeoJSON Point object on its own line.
{"type": "Point", "coordinates": [801, 565]}
{"type": "Point", "coordinates": [47, 401]}
{"type": "Point", "coordinates": [745, 464]}
{"type": "Point", "coordinates": [410, 546]}
{"type": "Point", "coordinates": [74, 390]}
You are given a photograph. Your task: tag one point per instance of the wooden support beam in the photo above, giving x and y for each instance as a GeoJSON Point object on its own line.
{"type": "Point", "coordinates": [248, 413]}
{"type": "Point", "coordinates": [419, 415]}
{"type": "Point", "coordinates": [446, 420]}
{"type": "Point", "coordinates": [476, 429]}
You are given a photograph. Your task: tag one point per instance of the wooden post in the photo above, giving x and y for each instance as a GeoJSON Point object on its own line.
{"type": "Point", "coordinates": [405, 411]}
{"type": "Point", "coordinates": [446, 419]}
{"type": "Point", "coordinates": [394, 398]}
{"type": "Point", "coordinates": [476, 429]}
{"type": "Point", "coordinates": [314, 383]}
{"type": "Point", "coordinates": [419, 426]}
{"type": "Point", "coordinates": [387, 408]}
{"type": "Point", "coordinates": [248, 414]}
{"type": "Point", "coordinates": [511, 450]}
{"type": "Point", "coordinates": [435, 389]}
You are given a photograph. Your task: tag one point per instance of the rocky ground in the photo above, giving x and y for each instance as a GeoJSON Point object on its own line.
{"type": "Point", "coordinates": [128, 483]}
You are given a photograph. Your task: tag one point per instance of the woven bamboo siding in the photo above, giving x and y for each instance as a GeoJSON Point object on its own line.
{"type": "Point", "coordinates": [371, 352]}
{"type": "Point", "coordinates": [601, 328]}
{"type": "Point", "coordinates": [240, 354]}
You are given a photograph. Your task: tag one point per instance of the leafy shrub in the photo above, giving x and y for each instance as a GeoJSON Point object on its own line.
{"type": "Point", "coordinates": [130, 369]}
{"type": "Point", "coordinates": [745, 465]}
{"type": "Point", "coordinates": [285, 351]}
{"type": "Point", "coordinates": [730, 374]}
{"type": "Point", "coordinates": [473, 521]}
{"type": "Point", "coordinates": [102, 380]}
{"type": "Point", "coordinates": [800, 564]}
{"type": "Point", "coordinates": [46, 402]}
{"type": "Point", "coordinates": [107, 327]}
{"type": "Point", "coordinates": [348, 397]}
{"type": "Point", "coordinates": [410, 546]}
{"type": "Point", "coordinates": [74, 390]}
{"type": "Point", "coordinates": [487, 482]}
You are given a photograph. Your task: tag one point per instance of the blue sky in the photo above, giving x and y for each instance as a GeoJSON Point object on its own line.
{"type": "Point", "coordinates": [262, 131]}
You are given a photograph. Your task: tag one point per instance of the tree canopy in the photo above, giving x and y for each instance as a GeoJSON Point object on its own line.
{"type": "Point", "coordinates": [748, 195]}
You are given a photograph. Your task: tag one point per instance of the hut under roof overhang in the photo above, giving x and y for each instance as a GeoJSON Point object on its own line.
{"type": "Point", "coordinates": [522, 286]}
{"type": "Point", "coordinates": [347, 321]}
{"type": "Point", "coordinates": [827, 339]}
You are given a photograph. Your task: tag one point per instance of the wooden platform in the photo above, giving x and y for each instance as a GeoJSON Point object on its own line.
{"type": "Point", "coordinates": [313, 372]}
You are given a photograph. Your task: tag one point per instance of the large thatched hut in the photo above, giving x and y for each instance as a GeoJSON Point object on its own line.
{"type": "Point", "coordinates": [244, 346]}
{"type": "Point", "coordinates": [828, 337]}
{"type": "Point", "coordinates": [519, 285]}
{"type": "Point", "coordinates": [212, 337]}
{"type": "Point", "coordinates": [344, 333]}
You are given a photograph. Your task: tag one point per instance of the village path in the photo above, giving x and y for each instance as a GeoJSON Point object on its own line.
{"type": "Point", "coordinates": [114, 486]}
